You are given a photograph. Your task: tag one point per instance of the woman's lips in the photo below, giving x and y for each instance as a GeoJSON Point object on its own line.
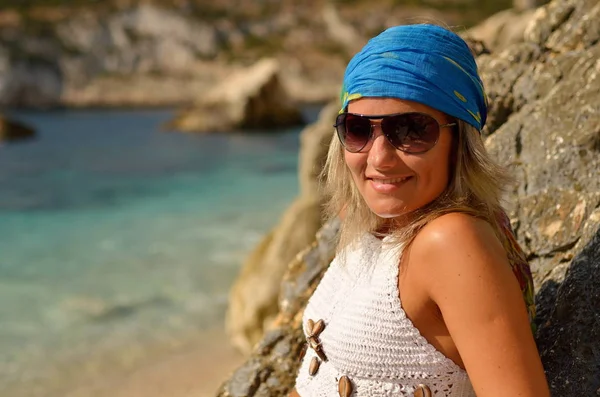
{"type": "Point", "coordinates": [387, 185]}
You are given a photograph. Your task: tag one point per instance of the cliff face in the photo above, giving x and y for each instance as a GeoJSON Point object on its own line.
{"type": "Point", "coordinates": [143, 55]}
{"type": "Point", "coordinates": [543, 124]}
{"type": "Point", "coordinates": [544, 95]}
{"type": "Point", "coordinates": [167, 52]}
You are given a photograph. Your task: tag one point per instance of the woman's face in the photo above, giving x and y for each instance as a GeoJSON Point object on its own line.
{"type": "Point", "coordinates": [393, 182]}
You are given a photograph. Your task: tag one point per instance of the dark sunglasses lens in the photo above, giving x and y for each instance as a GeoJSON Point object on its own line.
{"type": "Point", "coordinates": [354, 131]}
{"type": "Point", "coordinates": [411, 132]}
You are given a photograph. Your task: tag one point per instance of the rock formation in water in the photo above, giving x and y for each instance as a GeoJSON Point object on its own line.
{"type": "Point", "coordinates": [249, 99]}
{"type": "Point", "coordinates": [14, 131]}
{"type": "Point", "coordinates": [543, 125]}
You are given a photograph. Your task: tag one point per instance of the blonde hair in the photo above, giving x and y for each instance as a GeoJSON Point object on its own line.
{"type": "Point", "coordinates": [476, 184]}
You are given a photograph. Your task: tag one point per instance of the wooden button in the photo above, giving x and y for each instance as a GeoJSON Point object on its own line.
{"type": "Point", "coordinates": [344, 386]}
{"type": "Point", "coordinates": [320, 353]}
{"type": "Point", "coordinates": [314, 366]}
{"type": "Point", "coordinates": [303, 351]}
{"type": "Point", "coordinates": [318, 328]}
{"type": "Point", "coordinates": [423, 391]}
{"type": "Point", "coordinates": [314, 329]}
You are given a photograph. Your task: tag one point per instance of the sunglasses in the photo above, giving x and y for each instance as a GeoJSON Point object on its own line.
{"type": "Point", "coordinates": [409, 132]}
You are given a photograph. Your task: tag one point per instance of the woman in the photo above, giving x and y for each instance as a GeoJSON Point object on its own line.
{"type": "Point", "coordinates": [429, 294]}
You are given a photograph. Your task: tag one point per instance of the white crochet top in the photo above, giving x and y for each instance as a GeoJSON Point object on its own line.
{"type": "Point", "coordinates": [367, 336]}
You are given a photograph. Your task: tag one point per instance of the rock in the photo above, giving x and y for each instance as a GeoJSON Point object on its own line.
{"type": "Point", "coordinates": [66, 60]}
{"type": "Point", "coordinates": [253, 298]}
{"type": "Point", "coordinates": [10, 18]}
{"type": "Point", "coordinates": [14, 131]}
{"type": "Point", "coordinates": [499, 74]}
{"type": "Point", "coordinates": [304, 273]}
{"type": "Point", "coordinates": [502, 29]}
{"type": "Point", "coordinates": [29, 80]}
{"type": "Point", "coordinates": [138, 90]}
{"type": "Point", "coordinates": [320, 90]}
{"type": "Point", "coordinates": [144, 39]}
{"type": "Point", "coordinates": [95, 50]}
{"type": "Point", "coordinates": [147, 21]}
{"type": "Point", "coordinates": [252, 98]}
{"type": "Point", "coordinates": [522, 5]}
{"type": "Point", "coordinates": [314, 144]}
{"type": "Point", "coordinates": [544, 127]}
{"type": "Point", "coordinates": [557, 218]}
{"type": "Point", "coordinates": [140, 31]}
{"type": "Point", "coordinates": [341, 31]}
{"type": "Point", "coordinates": [272, 369]}
{"type": "Point", "coordinates": [568, 340]}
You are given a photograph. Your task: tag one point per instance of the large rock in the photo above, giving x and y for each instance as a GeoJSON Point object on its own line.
{"type": "Point", "coordinates": [502, 29]}
{"type": "Point", "coordinates": [549, 136]}
{"type": "Point", "coordinates": [545, 112]}
{"type": "Point", "coordinates": [252, 98]}
{"type": "Point", "coordinates": [544, 123]}
{"type": "Point", "coordinates": [272, 368]}
{"type": "Point", "coordinates": [341, 31]}
{"type": "Point", "coordinates": [253, 298]}
{"type": "Point", "coordinates": [14, 131]}
{"type": "Point", "coordinates": [521, 5]}
{"type": "Point", "coordinates": [569, 338]}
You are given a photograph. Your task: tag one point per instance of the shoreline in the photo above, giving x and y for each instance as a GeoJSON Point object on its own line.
{"type": "Point", "coordinates": [196, 371]}
{"type": "Point", "coordinates": [196, 368]}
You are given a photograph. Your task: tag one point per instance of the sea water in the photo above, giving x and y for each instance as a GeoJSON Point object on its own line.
{"type": "Point", "coordinates": [115, 234]}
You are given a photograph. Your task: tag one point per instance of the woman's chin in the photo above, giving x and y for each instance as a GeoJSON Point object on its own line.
{"type": "Point", "coordinates": [388, 213]}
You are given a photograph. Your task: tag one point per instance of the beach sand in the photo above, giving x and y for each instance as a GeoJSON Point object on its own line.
{"type": "Point", "coordinates": [195, 371]}
{"type": "Point", "coordinates": [196, 368]}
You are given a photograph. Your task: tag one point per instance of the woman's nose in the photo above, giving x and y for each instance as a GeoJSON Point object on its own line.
{"type": "Point", "coordinates": [382, 153]}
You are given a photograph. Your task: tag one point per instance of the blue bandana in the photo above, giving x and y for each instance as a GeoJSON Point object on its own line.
{"type": "Point", "coordinates": [422, 63]}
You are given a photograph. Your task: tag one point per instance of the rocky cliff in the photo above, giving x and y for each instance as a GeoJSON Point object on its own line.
{"type": "Point", "coordinates": [142, 55]}
{"type": "Point", "coordinates": [544, 118]}
{"type": "Point", "coordinates": [168, 52]}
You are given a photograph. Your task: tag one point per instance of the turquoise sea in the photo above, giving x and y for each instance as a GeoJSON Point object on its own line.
{"type": "Point", "coordinates": [115, 234]}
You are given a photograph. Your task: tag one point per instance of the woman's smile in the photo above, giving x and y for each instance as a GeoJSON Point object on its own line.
{"type": "Point", "coordinates": [388, 185]}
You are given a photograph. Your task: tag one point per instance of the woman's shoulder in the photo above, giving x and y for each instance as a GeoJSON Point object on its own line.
{"type": "Point", "coordinates": [455, 231]}
{"type": "Point", "coordinates": [457, 244]}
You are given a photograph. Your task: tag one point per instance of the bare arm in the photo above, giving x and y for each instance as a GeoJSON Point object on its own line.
{"type": "Point", "coordinates": [294, 393]}
{"type": "Point", "coordinates": [466, 273]}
